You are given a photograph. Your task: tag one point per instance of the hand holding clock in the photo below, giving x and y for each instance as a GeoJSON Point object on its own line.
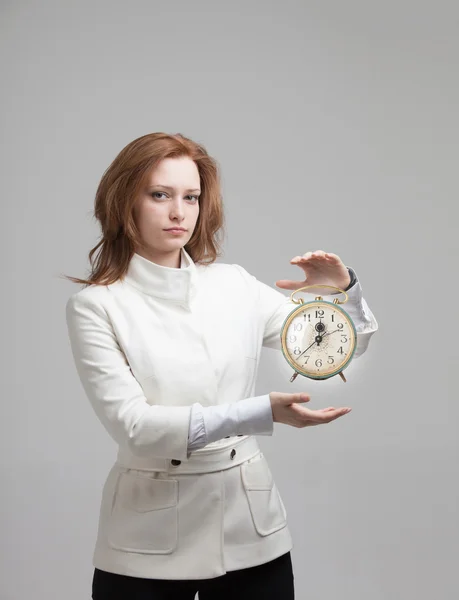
{"type": "Point", "coordinates": [319, 267]}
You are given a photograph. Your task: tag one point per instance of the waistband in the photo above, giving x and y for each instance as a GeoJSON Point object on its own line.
{"type": "Point", "coordinates": [200, 461]}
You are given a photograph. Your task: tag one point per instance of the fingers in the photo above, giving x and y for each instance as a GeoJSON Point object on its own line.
{"type": "Point", "coordinates": [316, 254]}
{"type": "Point", "coordinates": [337, 412]}
{"type": "Point", "coordinates": [307, 416]}
{"type": "Point", "coordinates": [334, 412]}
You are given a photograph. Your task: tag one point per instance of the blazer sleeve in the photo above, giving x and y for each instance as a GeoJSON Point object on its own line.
{"type": "Point", "coordinates": [114, 393]}
{"type": "Point", "coordinates": [274, 307]}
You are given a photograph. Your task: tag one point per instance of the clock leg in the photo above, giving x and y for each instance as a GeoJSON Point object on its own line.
{"type": "Point", "coordinates": [342, 376]}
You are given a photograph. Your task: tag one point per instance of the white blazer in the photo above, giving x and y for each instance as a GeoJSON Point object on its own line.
{"type": "Point", "coordinates": [146, 349]}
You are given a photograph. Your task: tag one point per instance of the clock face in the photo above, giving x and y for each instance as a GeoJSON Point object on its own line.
{"type": "Point", "coordinates": [318, 339]}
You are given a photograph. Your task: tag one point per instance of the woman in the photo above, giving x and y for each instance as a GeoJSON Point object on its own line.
{"type": "Point", "coordinates": [166, 343]}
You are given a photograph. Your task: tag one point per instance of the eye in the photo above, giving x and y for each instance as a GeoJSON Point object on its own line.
{"type": "Point", "coordinates": [196, 198]}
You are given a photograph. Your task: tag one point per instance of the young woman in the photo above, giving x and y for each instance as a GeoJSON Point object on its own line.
{"type": "Point", "coordinates": [166, 343]}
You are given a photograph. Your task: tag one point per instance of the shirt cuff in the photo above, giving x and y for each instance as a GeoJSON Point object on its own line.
{"type": "Point", "coordinates": [197, 437]}
{"type": "Point", "coordinates": [250, 416]}
{"type": "Point", "coordinates": [359, 311]}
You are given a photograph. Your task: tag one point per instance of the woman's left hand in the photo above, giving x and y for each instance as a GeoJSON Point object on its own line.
{"type": "Point", "coordinates": [319, 267]}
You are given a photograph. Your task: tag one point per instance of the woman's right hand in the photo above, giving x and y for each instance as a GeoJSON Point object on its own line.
{"type": "Point", "coordinates": [286, 409]}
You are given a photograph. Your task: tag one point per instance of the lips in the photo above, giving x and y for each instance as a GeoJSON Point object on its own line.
{"type": "Point", "coordinates": [175, 229]}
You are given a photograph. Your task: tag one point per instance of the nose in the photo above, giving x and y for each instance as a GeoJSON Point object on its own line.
{"type": "Point", "coordinates": [177, 211]}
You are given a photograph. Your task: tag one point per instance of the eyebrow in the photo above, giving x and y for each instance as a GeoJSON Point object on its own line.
{"type": "Point", "coordinates": [167, 187]}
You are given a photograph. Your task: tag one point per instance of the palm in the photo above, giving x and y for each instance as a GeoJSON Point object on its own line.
{"type": "Point", "coordinates": [319, 267]}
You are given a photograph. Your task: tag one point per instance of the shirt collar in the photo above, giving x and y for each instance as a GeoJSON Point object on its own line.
{"type": "Point", "coordinates": [170, 283]}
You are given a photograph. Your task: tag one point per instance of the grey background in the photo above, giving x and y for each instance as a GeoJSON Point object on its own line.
{"type": "Point", "coordinates": [336, 126]}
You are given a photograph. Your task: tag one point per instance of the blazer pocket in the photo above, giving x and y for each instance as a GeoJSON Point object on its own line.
{"type": "Point", "coordinates": [268, 511]}
{"type": "Point", "coordinates": [144, 515]}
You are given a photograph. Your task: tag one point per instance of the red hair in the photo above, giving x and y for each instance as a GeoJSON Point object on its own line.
{"type": "Point", "coordinates": [119, 189]}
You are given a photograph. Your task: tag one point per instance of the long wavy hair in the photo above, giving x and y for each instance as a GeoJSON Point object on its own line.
{"type": "Point", "coordinates": [119, 189]}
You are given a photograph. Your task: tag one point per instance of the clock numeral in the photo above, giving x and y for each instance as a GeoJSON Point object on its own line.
{"type": "Point", "coordinates": [292, 338]}
{"type": "Point", "coordinates": [345, 338]}
{"type": "Point", "coordinates": [297, 326]}
{"type": "Point", "coordinates": [341, 351]}
{"type": "Point", "coordinates": [319, 313]}
{"type": "Point", "coordinates": [333, 318]}
{"type": "Point", "coordinates": [297, 350]}
{"type": "Point", "coordinates": [318, 362]}
{"type": "Point", "coordinates": [308, 315]}
{"type": "Point", "coordinates": [331, 360]}
{"type": "Point", "coordinates": [340, 325]}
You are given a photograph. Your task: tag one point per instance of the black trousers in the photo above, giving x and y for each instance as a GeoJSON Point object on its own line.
{"type": "Point", "coordinates": [273, 580]}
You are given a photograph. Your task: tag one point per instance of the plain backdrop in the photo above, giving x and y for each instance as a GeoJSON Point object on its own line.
{"type": "Point", "coordinates": [335, 125]}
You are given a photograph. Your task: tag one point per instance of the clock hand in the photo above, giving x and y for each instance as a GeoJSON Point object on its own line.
{"type": "Point", "coordinates": [314, 342]}
{"type": "Point", "coordinates": [319, 339]}
{"type": "Point", "coordinates": [330, 332]}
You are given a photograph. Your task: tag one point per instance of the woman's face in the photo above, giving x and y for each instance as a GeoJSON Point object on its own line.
{"type": "Point", "coordinates": [170, 199]}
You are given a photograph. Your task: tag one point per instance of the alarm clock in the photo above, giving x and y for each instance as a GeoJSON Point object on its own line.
{"type": "Point", "coordinates": [318, 338]}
